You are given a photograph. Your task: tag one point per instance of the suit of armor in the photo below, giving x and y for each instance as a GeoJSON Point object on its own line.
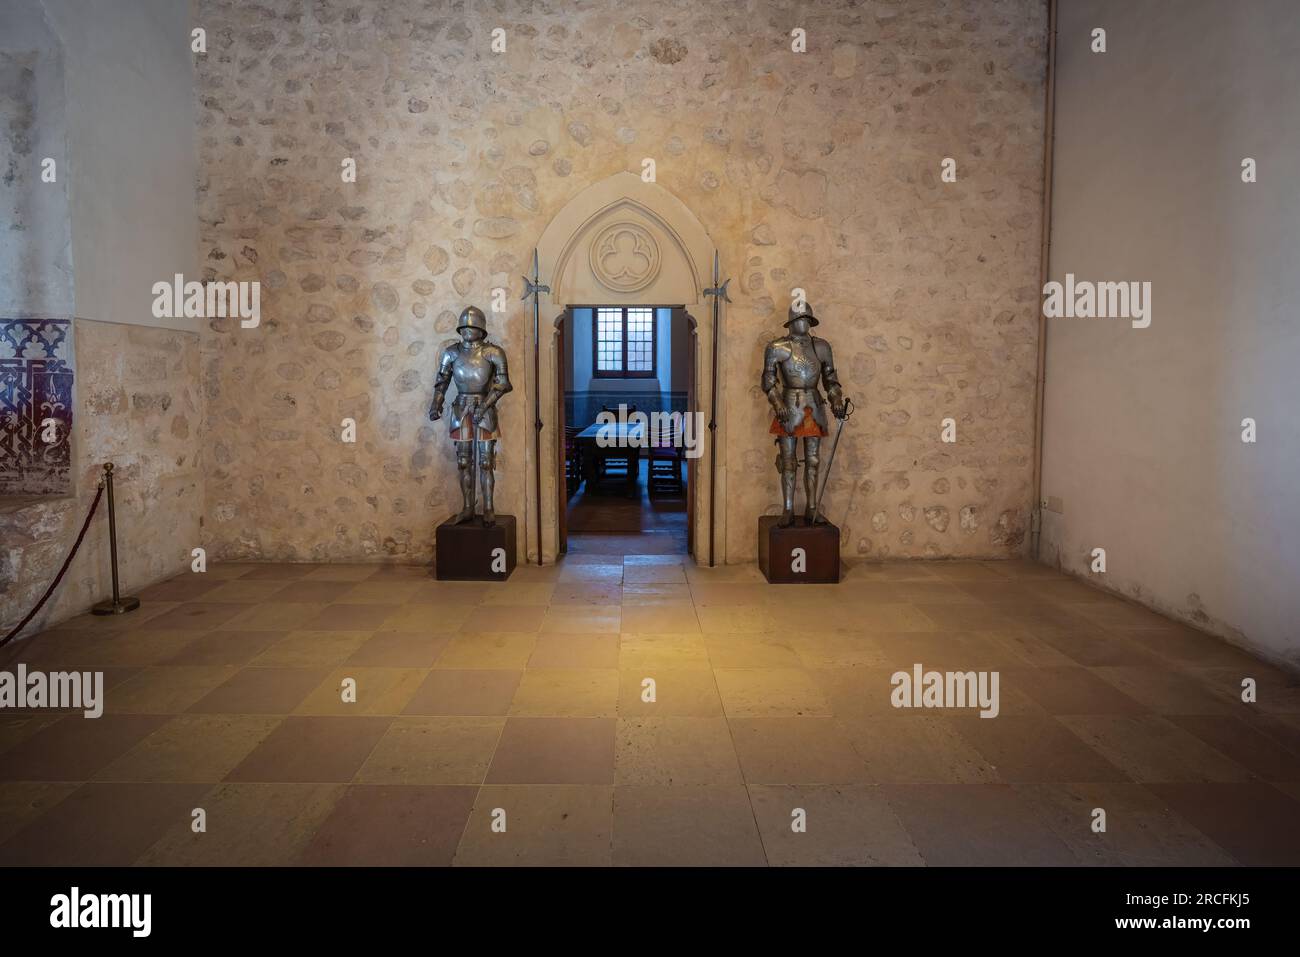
{"type": "Point", "coordinates": [793, 368]}
{"type": "Point", "coordinates": [478, 368]}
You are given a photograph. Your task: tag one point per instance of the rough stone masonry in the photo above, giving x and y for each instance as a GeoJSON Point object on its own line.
{"type": "Point", "coordinates": [819, 170]}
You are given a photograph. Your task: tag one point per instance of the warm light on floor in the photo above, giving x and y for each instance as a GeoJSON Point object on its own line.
{"type": "Point", "coordinates": [527, 698]}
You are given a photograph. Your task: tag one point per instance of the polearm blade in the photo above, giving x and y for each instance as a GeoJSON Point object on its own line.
{"type": "Point", "coordinates": [533, 287]}
{"type": "Point", "coordinates": [719, 292]}
{"type": "Point", "coordinates": [826, 476]}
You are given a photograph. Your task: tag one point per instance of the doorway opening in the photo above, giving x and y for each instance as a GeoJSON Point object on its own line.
{"type": "Point", "coordinates": [626, 406]}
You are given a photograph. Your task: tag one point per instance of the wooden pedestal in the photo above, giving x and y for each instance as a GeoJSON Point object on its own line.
{"type": "Point", "coordinates": [469, 552]}
{"type": "Point", "coordinates": [781, 564]}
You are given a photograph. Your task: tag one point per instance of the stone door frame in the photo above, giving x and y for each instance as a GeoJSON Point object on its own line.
{"type": "Point", "coordinates": [623, 241]}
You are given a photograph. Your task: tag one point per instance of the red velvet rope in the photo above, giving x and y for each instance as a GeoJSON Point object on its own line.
{"type": "Point", "coordinates": [62, 571]}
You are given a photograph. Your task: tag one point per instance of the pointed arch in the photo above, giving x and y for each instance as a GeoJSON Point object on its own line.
{"type": "Point", "coordinates": [625, 241]}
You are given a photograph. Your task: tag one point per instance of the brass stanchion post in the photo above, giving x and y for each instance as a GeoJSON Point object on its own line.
{"type": "Point", "coordinates": [117, 605]}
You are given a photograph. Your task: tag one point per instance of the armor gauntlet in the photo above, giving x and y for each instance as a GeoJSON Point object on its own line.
{"type": "Point", "coordinates": [830, 379]}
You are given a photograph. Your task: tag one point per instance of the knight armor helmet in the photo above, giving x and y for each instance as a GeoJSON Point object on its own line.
{"type": "Point", "coordinates": [472, 317]}
{"type": "Point", "coordinates": [805, 313]}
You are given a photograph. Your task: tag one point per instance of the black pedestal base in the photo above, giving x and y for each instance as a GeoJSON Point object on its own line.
{"type": "Point", "coordinates": [475, 552]}
{"type": "Point", "coordinates": [819, 562]}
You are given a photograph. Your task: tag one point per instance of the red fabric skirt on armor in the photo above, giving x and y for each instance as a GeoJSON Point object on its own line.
{"type": "Point", "coordinates": [808, 428]}
{"type": "Point", "coordinates": [463, 433]}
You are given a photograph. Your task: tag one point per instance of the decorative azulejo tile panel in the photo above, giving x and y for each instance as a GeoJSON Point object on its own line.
{"type": "Point", "coordinates": [35, 406]}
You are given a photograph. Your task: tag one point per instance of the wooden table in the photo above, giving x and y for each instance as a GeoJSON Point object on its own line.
{"type": "Point", "coordinates": [621, 440]}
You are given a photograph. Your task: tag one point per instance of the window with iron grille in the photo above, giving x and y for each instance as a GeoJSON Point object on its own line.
{"type": "Point", "coordinates": [624, 342]}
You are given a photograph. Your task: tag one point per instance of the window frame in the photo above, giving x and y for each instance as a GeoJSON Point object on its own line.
{"type": "Point", "coordinates": [624, 373]}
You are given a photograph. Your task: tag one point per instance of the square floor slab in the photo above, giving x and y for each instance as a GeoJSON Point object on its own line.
{"type": "Point", "coordinates": [224, 647]}
{"type": "Point", "coordinates": [76, 748]}
{"type": "Point", "coordinates": [975, 825]}
{"type": "Point", "coordinates": [796, 751]}
{"type": "Point", "coordinates": [102, 825]}
{"type": "Point", "coordinates": [506, 618]}
{"type": "Point", "coordinates": [658, 650]}
{"type": "Point", "coordinates": [753, 651]}
{"type": "Point", "coordinates": [1071, 690]}
{"type": "Point", "coordinates": [915, 749]}
{"type": "Point", "coordinates": [830, 826]}
{"type": "Point", "coordinates": [1150, 749]}
{"type": "Point", "coordinates": [1245, 743]}
{"type": "Point", "coordinates": [351, 690]}
{"type": "Point", "coordinates": [680, 751]}
{"type": "Point", "coordinates": [392, 826]}
{"type": "Point", "coordinates": [575, 651]}
{"type": "Point", "coordinates": [688, 826]}
{"type": "Point", "coordinates": [480, 650]}
{"type": "Point", "coordinates": [343, 617]}
{"type": "Point", "coordinates": [1140, 829]}
{"type": "Point", "coordinates": [311, 649]}
{"type": "Point", "coordinates": [669, 692]}
{"type": "Point", "coordinates": [465, 692]}
{"type": "Point", "coordinates": [1162, 690]}
{"type": "Point", "coordinates": [555, 751]}
{"type": "Point", "coordinates": [399, 649]}
{"type": "Point", "coordinates": [167, 689]}
{"type": "Point", "coordinates": [312, 750]}
{"type": "Point", "coordinates": [539, 826]}
{"type": "Point", "coordinates": [22, 802]}
{"type": "Point", "coordinates": [277, 616]}
{"type": "Point", "coordinates": [567, 692]}
{"type": "Point", "coordinates": [1254, 822]}
{"type": "Point", "coordinates": [195, 616]}
{"type": "Point", "coordinates": [1025, 749]}
{"type": "Point", "coordinates": [261, 691]}
{"type": "Point", "coordinates": [770, 693]}
{"type": "Point", "coordinates": [247, 825]}
{"type": "Point", "coordinates": [433, 750]}
{"type": "Point", "coordinates": [191, 748]}
{"type": "Point", "coordinates": [573, 619]}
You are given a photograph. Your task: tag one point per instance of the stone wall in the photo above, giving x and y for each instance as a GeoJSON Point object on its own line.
{"type": "Point", "coordinates": [818, 170]}
{"type": "Point", "coordinates": [119, 214]}
{"type": "Point", "coordinates": [138, 406]}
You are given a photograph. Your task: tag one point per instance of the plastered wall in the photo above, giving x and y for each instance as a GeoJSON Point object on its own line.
{"type": "Point", "coordinates": [1144, 453]}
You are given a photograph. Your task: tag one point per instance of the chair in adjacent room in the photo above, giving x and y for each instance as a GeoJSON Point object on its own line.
{"type": "Point", "coordinates": [665, 469]}
{"type": "Point", "coordinates": [613, 465]}
{"type": "Point", "coordinates": [572, 460]}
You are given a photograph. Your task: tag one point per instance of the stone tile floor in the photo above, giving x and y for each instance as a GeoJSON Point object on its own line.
{"type": "Point", "coordinates": [526, 696]}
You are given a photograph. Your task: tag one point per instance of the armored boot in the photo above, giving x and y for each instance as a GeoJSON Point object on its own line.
{"type": "Point", "coordinates": [787, 501]}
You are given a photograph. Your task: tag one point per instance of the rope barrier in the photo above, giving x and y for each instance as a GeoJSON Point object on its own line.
{"type": "Point", "coordinates": [99, 492]}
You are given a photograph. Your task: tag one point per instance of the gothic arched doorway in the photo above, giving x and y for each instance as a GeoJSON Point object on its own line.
{"type": "Point", "coordinates": [625, 242]}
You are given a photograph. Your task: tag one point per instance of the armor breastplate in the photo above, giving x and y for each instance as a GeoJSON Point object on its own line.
{"type": "Point", "coordinates": [800, 375]}
{"type": "Point", "coordinates": [472, 372]}
{"type": "Point", "coordinates": [803, 368]}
